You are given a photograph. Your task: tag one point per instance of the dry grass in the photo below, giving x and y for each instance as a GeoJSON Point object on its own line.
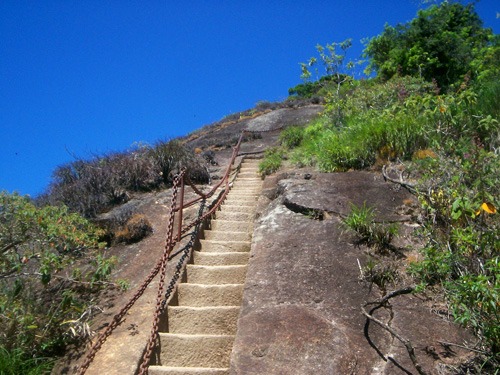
{"type": "Point", "coordinates": [136, 228]}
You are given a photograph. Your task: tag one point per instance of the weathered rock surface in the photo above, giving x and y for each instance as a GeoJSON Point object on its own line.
{"type": "Point", "coordinates": [301, 305]}
{"type": "Point", "coordinates": [279, 118]}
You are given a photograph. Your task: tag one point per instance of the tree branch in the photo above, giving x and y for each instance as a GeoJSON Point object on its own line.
{"type": "Point", "coordinates": [10, 246]}
{"type": "Point", "coordinates": [406, 343]}
{"type": "Point", "coordinates": [411, 188]}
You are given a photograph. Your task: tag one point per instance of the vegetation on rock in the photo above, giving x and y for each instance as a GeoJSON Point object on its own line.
{"type": "Point", "coordinates": [92, 186]}
{"type": "Point", "coordinates": [434, 108]}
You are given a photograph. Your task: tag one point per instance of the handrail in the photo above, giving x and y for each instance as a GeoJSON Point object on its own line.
{"type": "Point", "coordinates": [170, 241]}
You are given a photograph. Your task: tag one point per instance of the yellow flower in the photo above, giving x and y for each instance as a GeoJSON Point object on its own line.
{"type": "Point", "coordinates": [442, 109]}
{"type": "Point", "coordinates": [489, 208]}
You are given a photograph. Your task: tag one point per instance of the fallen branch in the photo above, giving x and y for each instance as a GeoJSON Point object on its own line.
{"type": "Point", "coordinates": [406, 343]}
{"type": "Point", "coordinates": [462, 346]}
{"type": "Point", "coordinates": [411, 188]}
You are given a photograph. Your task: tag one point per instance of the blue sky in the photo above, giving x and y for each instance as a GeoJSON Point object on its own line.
{"type": "Point", "coordinates": [93, 76]}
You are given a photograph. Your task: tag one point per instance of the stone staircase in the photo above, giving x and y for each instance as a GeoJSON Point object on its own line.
{"type": "Point", "coordinates": [201, 323]}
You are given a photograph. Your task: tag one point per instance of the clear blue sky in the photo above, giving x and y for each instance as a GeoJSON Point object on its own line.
{"type": "Point", "coordinates": [93, 76]}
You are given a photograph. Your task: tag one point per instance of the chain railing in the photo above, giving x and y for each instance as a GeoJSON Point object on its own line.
{"type": "Point", "coordinates": [179, 181]}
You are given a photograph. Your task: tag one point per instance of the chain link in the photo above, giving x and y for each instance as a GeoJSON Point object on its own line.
{"type": "Point", "coordinates": [117, 319]}
{"type": "Point", "coordinates": [161, 265]}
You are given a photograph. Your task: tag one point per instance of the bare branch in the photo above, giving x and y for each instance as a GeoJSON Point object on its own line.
{"type": "Point", "coordinates": [411, 188]}
{"type": "Point", "coordinates": [406, 343]}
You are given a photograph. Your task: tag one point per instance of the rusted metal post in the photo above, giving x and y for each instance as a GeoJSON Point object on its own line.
{"type": "Point", "coordinates": [181, 208]}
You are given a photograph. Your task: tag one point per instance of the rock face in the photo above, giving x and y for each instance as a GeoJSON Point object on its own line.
{"type": "Point", "coordinates": [301, 305]}
{"type": "Point", "coordinates": [279, 118]}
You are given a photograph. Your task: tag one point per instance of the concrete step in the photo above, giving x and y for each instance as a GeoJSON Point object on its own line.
{"type": "Point", "coordinates": [248, 174]}
{"type": "Point", "coordinates": [210, 295]}
{"type": "Point", "coordinates": [224, 246]}
{"type": "Point", "coordinates": [244, 193]}
{"type": "Point", "coordinates": [242, 207]}
{"type": "Point", "coordinates": [247, 185]}
{"type": "Point", "coordinates": [232, 226]}
{"type": "Point", "coordinates": [216, 275]}
{"type": "Point", "coordinates": [220, 259]}
{"type": "Point", "coordinates": [254, 178]}
{"type": "Point", "coordinates": [234, 216]}
{"type": "Point", "coordinates": [249, 160]}
{"type": "Point", "coordinates": [166, 370]}
{"type": "Point", "coordinates": [237, 199]}
{"type": "Point", "coordinates": [248, 182]}
{"type": "Point", "coordinates": [217, 235]}
{"type": "Point", "coordinates": [239, 203]}
{"type": "Point", "coordinates": [213, 351]}
{"type": "Point", "coordinates": [209, 320]}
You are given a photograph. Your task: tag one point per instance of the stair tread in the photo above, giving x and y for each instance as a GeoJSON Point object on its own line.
{"type": "Point", "coordinates": [228, 241]}
{"type": "Point", "coordinates": [222, 267]}
{"type": "Point", "coordinates": [195, 370]}
{"type": "Point", "coordinates": [203, 308]}
{"type": "Point", "coordinates": [195, 335]}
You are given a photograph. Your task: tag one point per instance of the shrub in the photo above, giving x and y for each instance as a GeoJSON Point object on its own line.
{"type": "Point", "coordinates": [291, 136]}
{"type": "Point", "coordinates": [39, 248]}
{"type": "Point", "coordinates": [92, 186]}
{"type": "Point", "coordinates": [170, 156]}
{"type": "Point", "coordinates": [209, 156]}
{"type": "Point", "coordinates": [136, 228]}
{"type": "Point", "coordinates": [271, 162]}
{"type": "Point", "coordinates": [463, 230]}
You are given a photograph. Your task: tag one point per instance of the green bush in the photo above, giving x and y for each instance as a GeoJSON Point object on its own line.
{"type": "Point", "coordinates": [17, 362]}
{"type": "Point", "coordinates": [43, 294]}
{"type": "Point", "coordinates": [292, 136]}
{"type": "Point", "coordinates": [271, 162]}
{"type": "Point", "coordinates": [463, 228]}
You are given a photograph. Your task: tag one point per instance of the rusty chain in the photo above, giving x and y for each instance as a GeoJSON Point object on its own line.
{"type": "Point", "coordinates": [161, 283]}
{"type": "Point", "coordinates": [161, 264]}
{"type": "Point", "coordinates": [119, 316]}
{"type": "Point", "coordinates": [186, 251]}
{"type": "Point", "coordinates": [162, 300]}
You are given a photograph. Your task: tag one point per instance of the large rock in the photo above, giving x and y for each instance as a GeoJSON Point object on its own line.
{"type": "Point", "coordinates": [301, 305]}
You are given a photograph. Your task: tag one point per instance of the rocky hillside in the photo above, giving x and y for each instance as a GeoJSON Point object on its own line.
{"type": "Point", "coordinates": [308, 277]}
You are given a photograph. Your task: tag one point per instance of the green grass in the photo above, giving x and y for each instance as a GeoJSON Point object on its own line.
{"type": "Point", "coordinates": [271, 162]}
{"type": "Point", "coordinates": [361, 221]}
{"type": "Point", "coordinates": [16, 362]}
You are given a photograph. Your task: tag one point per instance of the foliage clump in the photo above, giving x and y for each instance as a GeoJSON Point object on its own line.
{"type": "Point", "coordinates": [136, 228]}
{"type": "Point", "coordinates": [361, 220]}
{"type": "Point", "coordinates": [271, 162]}
{"type": "Point", "coordinates": [291, 136]}
{"type": "Point", "coordinates": [92, 186]}
{"type": "Point", "coordinates": [436, 44]}
{"type": "Point", "coordinates": [51, 263]}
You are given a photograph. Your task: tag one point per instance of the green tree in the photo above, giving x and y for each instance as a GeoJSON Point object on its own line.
{"type": "Point", "coordinates": [333, 60]}
{"type": "Point", "coordinates": [438, 43]}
